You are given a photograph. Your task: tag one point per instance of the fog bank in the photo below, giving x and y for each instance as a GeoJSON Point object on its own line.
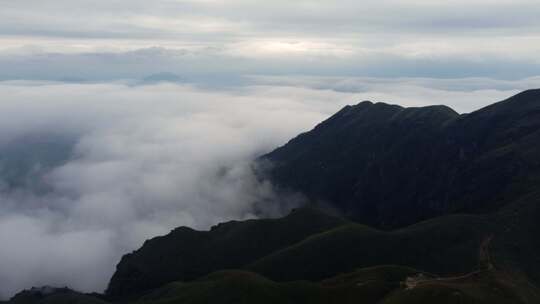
{"type": "Point", "coordinates": [89, 171]}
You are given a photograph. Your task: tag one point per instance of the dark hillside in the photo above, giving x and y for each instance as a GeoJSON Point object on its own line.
{"type": "Point", "coordinates": [186, 254]}
{"type": "Point", "coordinates": [389, 166]}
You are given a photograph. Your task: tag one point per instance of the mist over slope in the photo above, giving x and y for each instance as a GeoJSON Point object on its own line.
{"type": "Point", "coordinates": [90, 171]}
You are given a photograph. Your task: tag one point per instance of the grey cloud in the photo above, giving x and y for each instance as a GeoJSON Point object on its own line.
{"type": "Point", "coordinates": [219, 42]}
{"type": "Point", "coordinates": [146, 159]}
{"type": "Point", "coordinates": [220, 66]}
{"type": "Point", "coordinates": [364, 84]}
{"type": "Point", "coordinates": [462, 94]}
{"type": "Point", "coordinates": [112, 18]}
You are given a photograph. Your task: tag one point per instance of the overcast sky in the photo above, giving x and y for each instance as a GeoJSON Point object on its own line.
{"type": "Point", "coordinates": [217, 40]}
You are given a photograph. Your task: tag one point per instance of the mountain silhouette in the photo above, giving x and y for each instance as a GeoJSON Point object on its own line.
{"type": "Point", "coordinates": [406, 205]}
{"type": "Point", "coordinates": [389, 166]}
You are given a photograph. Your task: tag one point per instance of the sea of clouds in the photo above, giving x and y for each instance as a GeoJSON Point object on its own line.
{"type": "Point", "coordinates": [146, 158]}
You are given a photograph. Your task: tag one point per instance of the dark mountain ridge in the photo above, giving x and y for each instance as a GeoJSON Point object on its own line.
{"type": "Point", "coordinates": [389, 166]}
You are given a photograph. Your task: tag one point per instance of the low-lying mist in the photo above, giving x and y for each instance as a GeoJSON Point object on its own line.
{"type": "Point", "coordinates": [89, 171]}
{"type": "Point", "coordinates": [140, 161]}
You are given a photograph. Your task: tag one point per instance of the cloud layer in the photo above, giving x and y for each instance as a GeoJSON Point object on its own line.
{"type": "Point", "coordinates": [146, 159]}
{"type": "Point", "coordinates": [137, 161]}
{"type": "Point", "coordinates": [212, 41]}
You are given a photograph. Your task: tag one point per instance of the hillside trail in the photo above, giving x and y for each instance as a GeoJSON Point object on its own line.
{"type": "Point", "coordinates": [485, 265]}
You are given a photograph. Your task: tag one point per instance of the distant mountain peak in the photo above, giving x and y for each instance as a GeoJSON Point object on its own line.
{"type": "Point", "coordinates": [162, 77]}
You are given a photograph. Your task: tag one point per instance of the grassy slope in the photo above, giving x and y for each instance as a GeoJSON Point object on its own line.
{"type": "Point", "coordinates": [377, 285]}
{"type": "Point", "coordinates": [382, 285]}
{"type": "Point", "coordinates": [186, 254]}
{"type": "Point", "coordinates": [453, 245]}
{"type": "Point", "coordinates": [447, 245]}
{"type": "Point", "coordinates": [370, 285]}
{"type": "Point", "coordinates": [515, 248]}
